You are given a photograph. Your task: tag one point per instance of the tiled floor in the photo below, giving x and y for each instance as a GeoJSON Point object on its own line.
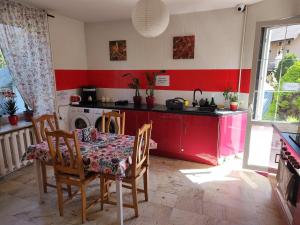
{"type": "Point", "coordinates": [181, 193]}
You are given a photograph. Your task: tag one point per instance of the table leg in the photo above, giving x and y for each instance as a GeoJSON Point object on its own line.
{"type": "Point", "coordinates": [119, 201]}
{"type": "Point", "coordinates": [38, 174]}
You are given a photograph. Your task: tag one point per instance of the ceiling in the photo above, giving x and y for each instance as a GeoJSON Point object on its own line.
{"type": "Point", "coordinates": [106, 10]}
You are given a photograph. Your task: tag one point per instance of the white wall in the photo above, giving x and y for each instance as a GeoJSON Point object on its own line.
{"type": "Point", "coordinates": [218, 37]}
{"type": "Point", "coordinates": [67, 39]}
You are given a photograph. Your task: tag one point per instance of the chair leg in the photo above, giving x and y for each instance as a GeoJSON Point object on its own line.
{"type": "Point", "coordinates": [102, 187]}
{"type": "Point", "coordinates": [69, 191]}
{"type": "Point", "coordinates": [145, 181]}
{"type": "Point", "coordinates": [60, 199]}
{"type": "Point", "coordinates": [44, 177]}
{"type": "Point", "coordinates": [83, 202]}
{"type": "Point", "coordinates": [134, 197]}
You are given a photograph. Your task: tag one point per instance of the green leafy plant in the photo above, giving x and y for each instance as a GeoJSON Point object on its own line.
{"type": "Point", "coordinates": [150, 84]}
{"type": "Point", "coordinates": [135, 83]}
{"type": "Point", "coordinates": [226, 93]}
{"type": "Point", "coordinates": [10, 107]}
{"type": "Point", "coordinates": [2, 61]}
{"type": "Point", "coordinates": [233, 97]}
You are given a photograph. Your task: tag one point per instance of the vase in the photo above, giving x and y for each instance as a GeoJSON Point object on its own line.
{"type": "Point", "coordinates": [234, 106]}
{"type": "Point", "coordinates": [137, 100]}
{"type": "Point", "coordinates": [28, 115]}
{"type": "Point", "coordinates": [13, 120]}
{"type": "Point", "coordinates": [150, 101]}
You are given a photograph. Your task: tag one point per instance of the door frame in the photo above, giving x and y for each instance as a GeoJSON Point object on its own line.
{"type": "Point", "coordinates": [255, 66]}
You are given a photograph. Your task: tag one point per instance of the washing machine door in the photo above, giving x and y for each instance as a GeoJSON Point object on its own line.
{"type": "Point", "coordinates": [79, 122]}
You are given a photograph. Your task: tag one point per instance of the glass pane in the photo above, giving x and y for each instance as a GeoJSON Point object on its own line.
{"type": "Point", "coordinates": [292, 41]}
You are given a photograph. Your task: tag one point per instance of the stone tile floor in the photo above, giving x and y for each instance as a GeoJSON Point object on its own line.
{"type": "Point", "coordinates": [181, 193]}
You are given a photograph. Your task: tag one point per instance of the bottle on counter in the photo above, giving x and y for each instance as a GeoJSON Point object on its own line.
{"type": "Point", "coordinates": [212, 102]}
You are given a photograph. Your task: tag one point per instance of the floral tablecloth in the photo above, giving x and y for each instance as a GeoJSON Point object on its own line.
{"type": "Point", "coordinates": [110, 153]}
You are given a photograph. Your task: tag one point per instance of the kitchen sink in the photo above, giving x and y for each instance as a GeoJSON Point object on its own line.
{"type": "Point", "coordinates": [201, 109]}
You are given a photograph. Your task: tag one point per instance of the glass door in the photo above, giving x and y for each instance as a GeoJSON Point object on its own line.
{"type": "Point", "coordinates": [275, 94]}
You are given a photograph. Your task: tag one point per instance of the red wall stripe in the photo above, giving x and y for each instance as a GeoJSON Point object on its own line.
{"type": "Point", "coordinates": [70, 79]}
{"type": "Point", "coordinates": [206, 79]}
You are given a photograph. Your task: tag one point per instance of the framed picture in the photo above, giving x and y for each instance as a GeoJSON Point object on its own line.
{"type": "Point", "coordinates": [183, 47]}
{"type": "Point", "coordinates": [117, 50]}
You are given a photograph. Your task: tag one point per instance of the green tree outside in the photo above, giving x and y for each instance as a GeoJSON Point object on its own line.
{"type": "Point", "coordinates": [288, 108]}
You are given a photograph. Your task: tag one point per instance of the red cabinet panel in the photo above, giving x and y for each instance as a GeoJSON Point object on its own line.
{"type": "Point", "coordinates": [200, 138]}
{"type": "Point", "coordinates": [232, 132]}
{"type": "Point", "coordinates": [134, 120]}
{"type": "Point", "coordinates": [166, 133]}
{"type": "Point", "coordinates": [142, 117]}
{"type": "Point", "coordinates": [130, 122]}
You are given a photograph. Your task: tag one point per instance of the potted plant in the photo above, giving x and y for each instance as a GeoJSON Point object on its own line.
{"type": "Point", "coordinates": [28, 113]}
{"type": "Point", "coordinates": [150, 89]}
{"type": "Point", "coordinates": [135, 84]}
{"type": "Point", "coordinates": [233, 101]}
{"type": "Point", "coordinates": [11, 108]}
{"type": "Point", "coordinates": [226, 94]}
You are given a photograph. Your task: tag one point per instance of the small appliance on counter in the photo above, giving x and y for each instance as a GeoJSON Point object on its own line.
{"type": "Point", "coordinates": [175, 104]}
{"type": "Point", "coordinates": [88, 95]}
{"type": "Point", "coordinates": [75, 99]}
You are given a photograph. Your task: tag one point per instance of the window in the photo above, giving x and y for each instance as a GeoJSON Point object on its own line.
{"type": "Point", "coordinates": [279, 43]}
{"type": "Point", "coordinates": [277, 90]}
{"type": "Point", "coordinates": [6, 83]}
{"type": "Point", "coordinates": [289, 42]}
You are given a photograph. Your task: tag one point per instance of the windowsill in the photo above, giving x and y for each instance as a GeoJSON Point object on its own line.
{"type": "Point", "coordinates": [5, 127]}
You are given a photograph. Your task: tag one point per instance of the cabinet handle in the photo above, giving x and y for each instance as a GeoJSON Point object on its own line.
{"type": "Point", "coordinates": [276, 158]}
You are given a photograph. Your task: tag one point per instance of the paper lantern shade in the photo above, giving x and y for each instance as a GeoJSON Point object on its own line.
{"type": "Point", "coordinates": [150, 18]}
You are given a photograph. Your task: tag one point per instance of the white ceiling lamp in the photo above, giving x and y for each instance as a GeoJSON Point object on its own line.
{"type": "Point", "coordinates": [150, 18]}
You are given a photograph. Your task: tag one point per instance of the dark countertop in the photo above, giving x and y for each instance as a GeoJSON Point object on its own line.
{"type": "Point", "coordinates": [286, 138]}
{"type": "Point", "coordinates": [160, 108]}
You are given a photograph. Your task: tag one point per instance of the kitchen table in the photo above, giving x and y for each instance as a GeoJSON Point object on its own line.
{"type": "Point", "coordinates": [109, 154]}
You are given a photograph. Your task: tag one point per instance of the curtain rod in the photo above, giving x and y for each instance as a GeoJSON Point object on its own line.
{"type": "Point", "coordinates": [49, 15]}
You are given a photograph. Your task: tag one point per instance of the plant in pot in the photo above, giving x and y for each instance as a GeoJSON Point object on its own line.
{"type": "Point", "coordinates": [226, 95]}
{"type": "Point", "coordinates": [28, 113]}
{"type": "Point", "coordinates": [233, 101]}
{"type": "Point", "coordinates": [11, 108]}
{"type": "Point", "coordinates": [150, 89]}
{"type": "Point", "coordinates": [135, 84]}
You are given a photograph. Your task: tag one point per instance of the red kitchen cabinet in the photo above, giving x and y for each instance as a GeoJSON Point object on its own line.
{"type": "Point", "coordinates": [141, 118]}
{"type": "Point", "coordinates": [130, 122]}
{"type": "Point", "coordinates": [166, 132]}
{"type": "Point", "coordinates": [134, 120]}
{"type": "Point", "coordinates": [200, 139]}
{"type": "Point", "coordinates": [232, 130]}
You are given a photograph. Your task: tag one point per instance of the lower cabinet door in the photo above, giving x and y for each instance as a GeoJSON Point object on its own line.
{"type": "Point", "coordinates": [142, 117]}
{"type": "Point", "coordinates": [130, 122]}
{"type": "Point", "coordinates": [200, 139]}
{"type": "Point", "coordinates": [166, 133]}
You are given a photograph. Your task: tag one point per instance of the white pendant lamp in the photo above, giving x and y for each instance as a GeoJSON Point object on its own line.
{"type": "Point", "coordinates": [150, 18]}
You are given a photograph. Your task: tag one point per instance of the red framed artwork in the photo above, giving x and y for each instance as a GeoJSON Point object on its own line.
{"type": "Point", "coordinates": [183, 47]}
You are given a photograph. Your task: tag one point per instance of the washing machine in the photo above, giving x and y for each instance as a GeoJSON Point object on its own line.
{"type": "Point", "coordinates": [81, 117]}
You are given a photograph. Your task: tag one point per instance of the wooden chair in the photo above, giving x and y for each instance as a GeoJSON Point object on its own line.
{"type": "Point", "coordinates": [119, 119]}
{"type": "Point", "coordinates": [139, 168]}
{"type": "Point", "coordinates": [48, 121]}
{"type": "Point", "coordinates": [69, 172]}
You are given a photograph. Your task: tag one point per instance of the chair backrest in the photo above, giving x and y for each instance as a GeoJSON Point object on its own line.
{"type": "Point", "coordinates": [119, 122]}
{"type": "Point", "coordinates": [65, 152]}
{"type": "Point", "coordinates": [140, 155]}
{"type": "Point", "coordinates": [48, 121]}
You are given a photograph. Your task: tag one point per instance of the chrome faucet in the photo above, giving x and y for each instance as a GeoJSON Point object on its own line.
{"type": "Point", "coordinates": [195, 103]}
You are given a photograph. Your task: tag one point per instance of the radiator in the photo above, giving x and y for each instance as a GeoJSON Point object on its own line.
{"type": "Point", "coordinates": [12, 147]}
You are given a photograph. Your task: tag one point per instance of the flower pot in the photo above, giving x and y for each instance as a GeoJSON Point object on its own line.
{"type": "Point", "coordinates": [150, 101]}
{"type": "Point", "coordinates": [13, 120]}
{"type": "Point", "coordinates": [137, 100]}
{"type": "Point", "coordinates": [234, 106]}
{"type": "Point", "coordinates": [28, 115]}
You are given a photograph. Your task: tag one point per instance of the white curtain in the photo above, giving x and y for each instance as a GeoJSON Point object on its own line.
{"type": "Point", "coordinates": [25, 45]}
